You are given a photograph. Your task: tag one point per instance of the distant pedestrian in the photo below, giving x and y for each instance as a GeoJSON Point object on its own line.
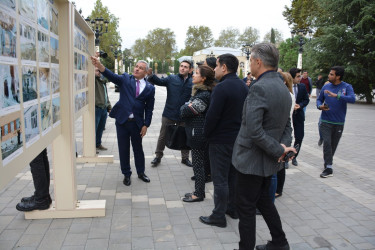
{"type": "Point", "coordinates": [333, 103]}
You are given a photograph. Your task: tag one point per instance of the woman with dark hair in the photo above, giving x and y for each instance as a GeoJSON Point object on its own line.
{"type": "Point", "coordinates": [193, 113]}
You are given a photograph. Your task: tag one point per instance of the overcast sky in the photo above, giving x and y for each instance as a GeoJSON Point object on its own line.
{"type": "Point", "coordinates": [137, 18]}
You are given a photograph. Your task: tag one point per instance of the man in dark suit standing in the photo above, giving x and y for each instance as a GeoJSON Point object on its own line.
{"type": "Point", "coordinates": [260, 146]}
{"type": "Point", "coordinates": [302, 100]}
{"type": "Point", "coordinates": [133, 114]}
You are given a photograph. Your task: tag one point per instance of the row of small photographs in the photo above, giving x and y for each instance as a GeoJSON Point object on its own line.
{"type": "Point", "coordinates": [11, 132]}
{"type": "Point", "coordinates": [80, 62]}
{"type": "Point", "coordinates": [80, 42]}
{"type": "Point", "coordinates": [10, 89]}
{"type": "Point", "coordinates": [81, 100]}
{"type": "Point", "coordinates": [80, 81]}
{"type": "Point", "coordinates": [47, 16]}
{"type": "Point", "coordinates": [47, 47]}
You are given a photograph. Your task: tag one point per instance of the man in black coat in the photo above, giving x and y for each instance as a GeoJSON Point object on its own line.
{"type": "Point", "coordinates": [178, 92]}
{"type": "Point", "coordinates": [223, 121]}
{"type": "Point", "coordinates": [302, 100]}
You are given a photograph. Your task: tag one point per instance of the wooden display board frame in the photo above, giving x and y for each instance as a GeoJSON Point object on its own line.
{"type": "Point", "coordinates": [50, 27]}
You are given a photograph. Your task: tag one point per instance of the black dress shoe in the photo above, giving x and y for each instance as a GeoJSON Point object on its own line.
{"type": "Point", "coordinates": [232, 214]}
{"type": "Point", "coordinates": [33, 205]}
{"type": "Point", "coordinates": [30, 198]}
{"type": "Point", "coordinates": [143, 177]}
{"type": "Point", "coordinates": [127, 181]}
{"type": "Point", "coordinates": [156, 161]}
{"type": "Point", "coordinates": [191, 199]}
{"type": "Point", "coordinates": [271, 246]}
{"type": "Point", "coordinates": [187, 162]}
{"type": "Point", "coordinates": [208, 220]}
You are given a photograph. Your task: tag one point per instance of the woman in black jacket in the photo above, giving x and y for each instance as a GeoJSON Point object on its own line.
{"type": "Point", "coordinates": [193, 113]}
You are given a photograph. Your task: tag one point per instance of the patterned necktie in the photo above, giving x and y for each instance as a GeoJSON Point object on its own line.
{"type": "Point", "coordinates": [137, 89]}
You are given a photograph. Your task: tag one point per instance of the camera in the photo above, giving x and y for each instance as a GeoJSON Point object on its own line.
{"type": "Point", "coordinates": [103, 54]}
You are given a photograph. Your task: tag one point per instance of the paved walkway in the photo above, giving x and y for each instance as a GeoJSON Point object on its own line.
{"type": "Point", "coordinates": [333, 213]}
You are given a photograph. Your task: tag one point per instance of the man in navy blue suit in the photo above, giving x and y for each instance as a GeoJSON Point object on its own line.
{"type": "Point", "coordinates": [133, 114]}
{"type": "Point", "coordinates": [302, 100]}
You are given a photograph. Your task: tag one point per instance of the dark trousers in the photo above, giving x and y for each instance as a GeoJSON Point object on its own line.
{"type": "Point", "coordinates": [198, 158]}
{"type": "Point", "coordinates": [129, 131]}
{"type": "Point", "coordinates": [207, 164]}
{"type": "Point", "coordinates": [41, 176]}
{"type": "Point", "coordinates": [299, 133]}
{"type": "Point", "coordinates": [223, 177]}
{"type": "Point", "coordinates": [100, 120]}
{"type": "Point", "coordinates": [331, 134]}
{"type": "Point", "coordinates": [161, 141]}
{"type": "Point", "coordinates": [280, 181]}
{"type": "Point", "coordinates": [253, 192]}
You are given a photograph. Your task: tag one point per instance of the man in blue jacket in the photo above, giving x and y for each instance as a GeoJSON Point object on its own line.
{"type": "Point", "coordinates": [332, 101]}
{"type": "Point", "coordinates": [133, 114]}
{"type": "Point", "coordinates": [178, 92]}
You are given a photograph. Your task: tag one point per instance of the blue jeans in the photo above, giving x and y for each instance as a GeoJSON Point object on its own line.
{"type": "Point", "coordinates": [100, 120]}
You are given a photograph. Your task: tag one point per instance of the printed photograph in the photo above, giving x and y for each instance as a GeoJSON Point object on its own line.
{"type": "Point", "coordinates": [77, 39]}
{"type": "Point", "coordinates": [27, 42]}
{"type": "Point", "coordinates": [9, 86]}
{"type": "Point", "coordinates": [54, 50]}
{"type": "Point", "coordinates": [11, 138]}
{"type": "Point", "coordinates": [45, 114]}
{"type": "Point", "coordinates": [11, 4]}
{"type": "Point", "coordinates": [26, 8]}
{"type": "Point", "coordinates": [43, 48]}
{"type": "Point", "coordinates": [8, 34]}
{"type": "Point", "coordinates": [29, 83]}
{"type": "Point", "coordinates": [80, 101]}
{"type": "Point", "coordinates": [31, 122]}
{"type": "Point", "coordinates": [55, 110]}
{"type": "Point", "coordinates": [55, 82]}
{"type": "Point", "coordinates": [87, 99]}
{"type": "Point", "coordinates": [54, 21]}
{"type": "Point", "coordinates": [75, 60]}
{"type": "Point", "coordinates": [42, 10]}
{"type": "Point", "coordinates": [44, 83]}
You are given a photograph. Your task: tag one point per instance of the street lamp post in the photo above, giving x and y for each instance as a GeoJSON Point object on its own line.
{"type": "Point", "coordinates": [116, 49]}
{"type": "Point", "coordinates": [246, 48]}
{"type": "Point", "coordinates": [97, 26]}
{"type": "Point", "coordinates": [302, 33]}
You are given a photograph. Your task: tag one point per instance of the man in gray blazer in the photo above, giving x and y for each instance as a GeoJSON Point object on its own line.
{"type": "Point", "coordinates": [260, 146]}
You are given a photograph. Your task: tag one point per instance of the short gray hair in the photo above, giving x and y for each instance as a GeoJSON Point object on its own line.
{"type": "Point", "coordinates": [143, 61]}
{"type": "Point", "coordinates": [267, 52]}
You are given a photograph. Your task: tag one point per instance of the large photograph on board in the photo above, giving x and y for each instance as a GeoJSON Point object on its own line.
{"type": "Point", "coordinates": [55, 82]}
{"type": "Point", "coordinates": [54, 50]}
{"type": "Point", "coordinates": [29, 83]}
{"type": "Point", "coordinates": [45, 114]}
{"type": "Point", "coordinates": [43, 13]}
{"type": "Point", "coordinates": [27, 42]}
{"type": "Point", "coordinates": [44, 83]}
{"type": "Point", "coordinates": [31, 124]}
{"type": "Point", "coordinates": [55, 110]}
{"type": "Point", "coordinates": [11, 4]}
{"type": "Point", "coordinates": [11, 139]}
{"type": "Point", "coordinates": [26, 8]}
{"type": "Point", "coordinates": [54, 21]}
{"type": "Point", "coordinates": [43, 47]}
{"type": "Point", "coordinates": [8, 35]}
{"type": "Point", "coordinates": [9, 86]}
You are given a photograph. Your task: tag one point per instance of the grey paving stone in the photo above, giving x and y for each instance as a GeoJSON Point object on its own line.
{"type": "Point", "coordinates": [11, 235]}
{"type": "Point", "coordinates": [97, 244]}
{"type": "Point", "coordinates": [30, 240]}
{"type": "Point", "coordinates": [53, 239]}
{"type": "Point", "coordinates": [7, 244]}
{"type": "Point", "coordinates": [143, 243]}
{"type": "Point", "coordinates": [75, 239]}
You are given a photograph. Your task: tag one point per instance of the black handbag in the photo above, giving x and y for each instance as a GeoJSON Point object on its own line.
{"type": "Point", "coordinates": [175, 137]}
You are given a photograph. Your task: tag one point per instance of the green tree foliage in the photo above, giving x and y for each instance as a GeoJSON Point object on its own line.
{"type": "Point", "coordinates": [139, 49]}
{"type": "Point", "coordinates": [249, 36]}
{"type": "Point", "coordinates": [197, 38]}
{"type": "Point", "coordinates": [160, 43]}
{"type": "Point", "coordinates": [111, 37]}
{"type": "Point", "coordinates": [347, 39]}
{"type": "Point", "coordinates": [228, 38]}
{"type": "Point", "coordinates": [288, 54]}
{"type": "Point", "coordinates": [273, 38]}
{"type": "Point", "coordinates": [278, 37]}
{"type": "Point", "coordinates": [302, 13]}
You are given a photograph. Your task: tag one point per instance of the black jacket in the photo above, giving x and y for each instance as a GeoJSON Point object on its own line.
{"type": "Point", "coordinates": [194, 116]}
{"type": "Point", "coordinates": [223, 119]}
{"type": "Point", "coordinates": [178, 92]}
